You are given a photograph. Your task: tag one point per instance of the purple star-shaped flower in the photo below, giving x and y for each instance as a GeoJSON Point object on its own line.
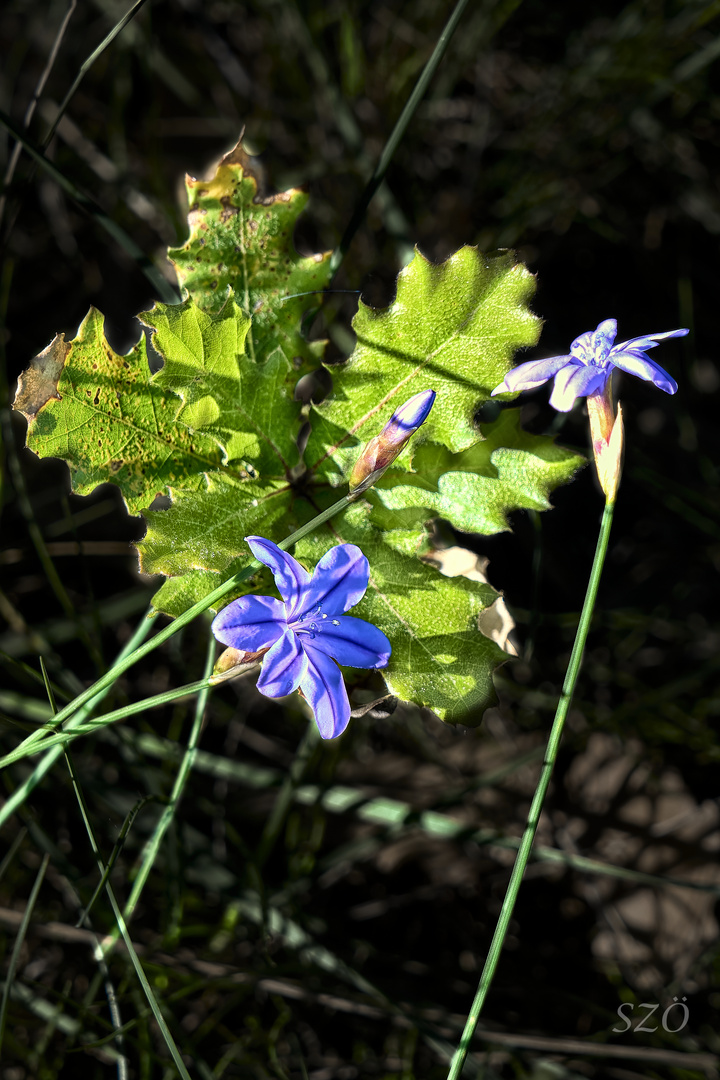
{"type": "Point", "coordinates": [307, 631]}
{"type": "Point", "coordinates": [589, 366]}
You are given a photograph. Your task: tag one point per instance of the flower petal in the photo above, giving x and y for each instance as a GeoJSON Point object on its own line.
{"type": "Point", "coordinates": [531, 374]}
{"type": "Point", "coordinates": [639, 364]}
{"type": "Point", "coordinates": [290, 577]}
{"type": "Point", "coordinates": [340, 580]}
{"type": "Point", "coordinates": [409, 417]}
{"type": "Point", "coordinates": [352, 642]}
{"type": "Point", "coordinates": [283, 667]}
{"type": "Point", "coordinates": [323, 686]}
{"type": "Point", "coordinates": [250, 623]}
{"type": "Point", "coordinates": [647, 341]}
{"type": "Point", "coordinates": [583, 347]}
{"type": "Point", "coordinates": [577, 380]}
{"type": "Point", "coordinates": [603, 338]}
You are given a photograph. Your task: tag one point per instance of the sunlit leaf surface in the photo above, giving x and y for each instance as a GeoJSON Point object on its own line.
{"type": "Point", "coordinates": [218, 428]}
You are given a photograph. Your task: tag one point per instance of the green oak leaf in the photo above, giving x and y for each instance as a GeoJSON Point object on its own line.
{"type": "Point", "coordinates": [243, 240]}
{"type": "Point", "coordinates": [476, 489]}
{"type": "Point", "coordinates": [111, 420]}
{"type": "Point", "coordinates": [453, 328]}
{"type": "Point", "coordinates": [440, 659]}
{"type": "Point", "coordinates": [177, 594]}
{"type": "Point", "coordinates": [204, 529]}
{"type": "Point", "coordinates": [247, 406]}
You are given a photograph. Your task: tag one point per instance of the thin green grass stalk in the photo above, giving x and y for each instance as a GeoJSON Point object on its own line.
{"type": "Point", "coordinates": [528, 836]}
{"type": "Point", "coordinates": [62, 738]}
{"type": "Point", "coordinates": [48, 686]}
{"type": "Point", "coordinates": [139, 971]}
{"type": "Point", "coordinates": [19, 940]}
{"type": "Point", "coordinates": [12, 851]}
{"type": "Point", "coordinates": [127, 660]}
{"type": "Point", "coordinates": [396, 135]}
{"type": "Point", "coordinates": [91, 702]}
{"type": "Point", "coordinates": [116, 1019]}
{"type": "Point", "coordinates": [350, 131]}
{"type": "Point", "coordinates": [163, 287]}
{"type": "Point", "coordinates": [119, 844]}
{"type": "Point", "coordinates": [188, 760]}
{"type": "Point", "coordinates": [23, 670]}
{"type": "Point", "coordinates": [85, 67]}
{"type": "Point", "coordinates": [30, 111]}
{"type": "Point", "coordinates": [285, 796]}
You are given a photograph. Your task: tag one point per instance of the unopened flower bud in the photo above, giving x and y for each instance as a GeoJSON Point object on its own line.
{"type": "Point", "coordinates": [381, 451]}
{"type": "Point", "coordinates": [606, 431]}
{"type": "Point", "coordinates": [234, 662]}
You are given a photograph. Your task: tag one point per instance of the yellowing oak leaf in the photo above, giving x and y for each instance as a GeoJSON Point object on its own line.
{"type": "Point", "coordinates": [106, 416]}
{"type": "Point", "coordinates": [242, 239]}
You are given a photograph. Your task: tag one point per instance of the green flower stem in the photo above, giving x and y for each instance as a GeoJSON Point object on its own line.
{"type": "Point", "coordinates": [127, 661]}
{"type": "Point", "coordinates": [528, 836]}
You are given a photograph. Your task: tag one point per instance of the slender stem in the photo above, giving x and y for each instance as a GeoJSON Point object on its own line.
{"type": "Point", "coordinates": [396, 135]}
{"type": "Point", "coordinates": [162, 286]}
{"type": "Point", "coordinates": [29, 112]}
{"type": "Point", "coordinates": [122, 926]}
{"type": "Point", "coordinates": [75, 730]}
{"type": "Point", "coordinates": [87, 64]}
{"type": "Point", "coordinates": [170, 811]}
{"type": "Point", "coordinates": [285, 795]}
{"type": "Point", "coordinates": [91, 702]}
{"type": "Point", "coordinates": [526, 843]}
{"type": "Point", "coordinates": [19, 940]}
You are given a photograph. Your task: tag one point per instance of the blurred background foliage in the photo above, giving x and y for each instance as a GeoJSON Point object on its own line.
{"type": "Point", "coordinates": [346, 942]}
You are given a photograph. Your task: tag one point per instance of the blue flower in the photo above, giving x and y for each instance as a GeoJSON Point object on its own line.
{"type": "Point", "coordinates": [307, 631]}
{"type": "Point", "coordinates": [589, 367]}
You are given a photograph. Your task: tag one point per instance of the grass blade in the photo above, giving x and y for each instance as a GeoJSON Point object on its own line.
{"type": "Point", "coordinates": [163, 287]}
{"type": "Point", "coordinates": [397, 134]}
{"type": "Point", "coordinates": [15, 955]}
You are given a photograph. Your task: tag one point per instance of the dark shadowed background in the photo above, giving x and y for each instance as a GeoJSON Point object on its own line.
{"type": "Point", "coordinates": [586, 137]}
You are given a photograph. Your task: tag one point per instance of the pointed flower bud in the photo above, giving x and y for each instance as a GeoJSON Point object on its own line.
{"type": "Point", "coordinates": [234, 662]}
{"type": "Point", "coordinates": [606, 433]}
{"type": "Point", "coordinates": [381, 451]}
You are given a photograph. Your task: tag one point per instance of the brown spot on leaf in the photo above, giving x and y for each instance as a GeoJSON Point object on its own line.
{"type": "Point", "coordinates": [39, 383]}
{"type": "Point", "coordinates": [228, 210]}
{"type": "Point", "coordinates": [115, 466]}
